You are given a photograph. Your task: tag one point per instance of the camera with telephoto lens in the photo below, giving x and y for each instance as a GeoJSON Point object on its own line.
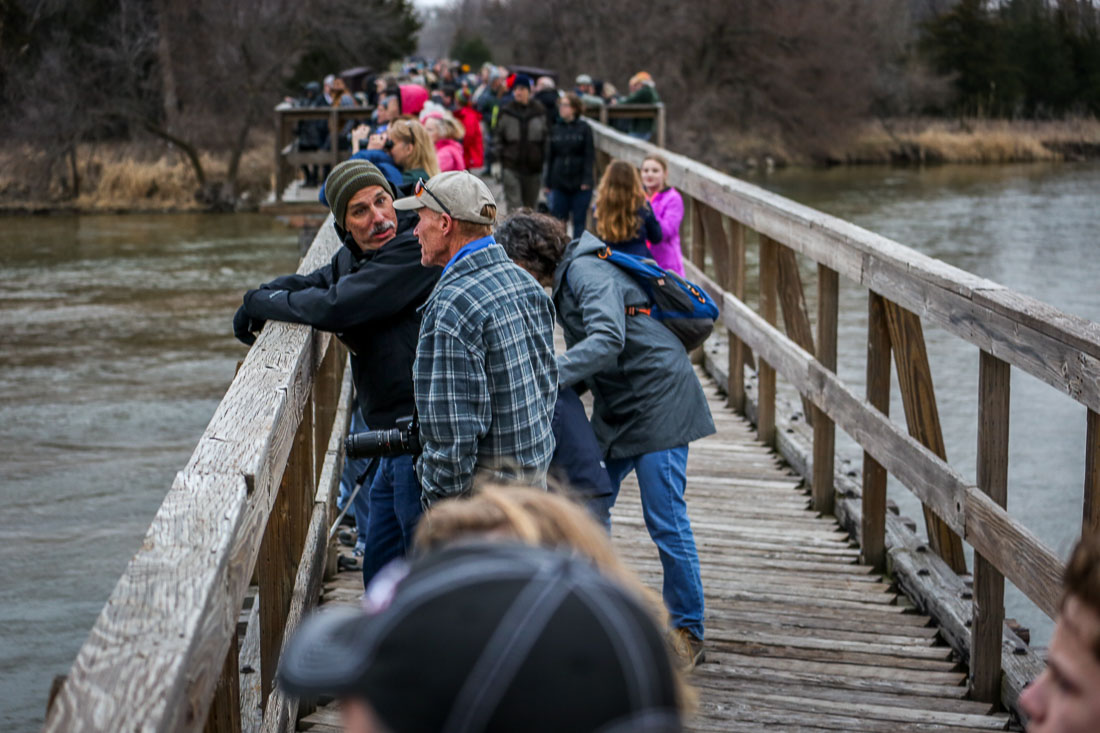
{"type": "Point", "coordinates": [403, 438]}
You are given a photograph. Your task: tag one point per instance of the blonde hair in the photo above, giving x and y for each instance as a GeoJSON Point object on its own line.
{"type": "Point", "coordinates": [543, 519]}
{"type": "Point", "coordinates": [423, 152]}
{"type": "Point", "coordinates": [618, 198]}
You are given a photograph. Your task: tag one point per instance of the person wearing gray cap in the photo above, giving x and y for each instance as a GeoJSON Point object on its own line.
{"type": "Point", "coordinates": [586, 90]}
{"type": "Point", "coordinates": [485, 377]}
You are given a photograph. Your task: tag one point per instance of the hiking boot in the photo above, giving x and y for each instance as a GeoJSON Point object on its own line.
{"type": "Point", "coordinates": [689, 648]}
{"type": "Point", "coordinates": [347, 537]}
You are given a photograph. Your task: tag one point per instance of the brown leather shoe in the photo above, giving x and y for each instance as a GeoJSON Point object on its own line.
{"type": "Point", "coordinates": [689, 648]}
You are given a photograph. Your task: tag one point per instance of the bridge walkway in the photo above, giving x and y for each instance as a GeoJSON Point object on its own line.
{"type": "Point", "coordinates": [800, 635]}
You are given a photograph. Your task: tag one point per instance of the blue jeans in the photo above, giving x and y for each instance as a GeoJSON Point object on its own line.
{"type": "Point", "coordinates": [571, 204]}
{"type": "Point", "coordinates": [662, 477]}
{"type": "Point", "coordinates": [353, 469]}
{"type": "Point", "coordinates": [394, 511]}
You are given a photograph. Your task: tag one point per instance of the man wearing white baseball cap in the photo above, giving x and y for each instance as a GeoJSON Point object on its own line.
{"type": "Point", "coordinates": [485, 377]}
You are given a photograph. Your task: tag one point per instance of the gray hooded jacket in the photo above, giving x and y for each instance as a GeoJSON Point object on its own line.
{"type": "Point", "coordinates": [647, 397]}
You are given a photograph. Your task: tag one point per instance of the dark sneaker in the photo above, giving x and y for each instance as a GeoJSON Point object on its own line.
{"type": "Point", "coordinates": [689, 648]}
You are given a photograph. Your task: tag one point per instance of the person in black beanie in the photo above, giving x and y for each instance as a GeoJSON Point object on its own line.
{"type": "Point", "coordinates": [369, 295]}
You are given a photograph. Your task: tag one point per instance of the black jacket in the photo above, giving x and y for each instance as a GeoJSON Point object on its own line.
{"type": "Point", "coordinates": [519, 139]}
{"type": "Point", "coordinates": [370, 301]}
{"type": "Point", "coordinates": [569, 156]}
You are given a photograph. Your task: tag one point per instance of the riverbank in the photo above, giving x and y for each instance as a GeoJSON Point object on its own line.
{"type": "Point", "coordinates": [926, 141]}
{"type": "Point", "coordinates": [127, 178]}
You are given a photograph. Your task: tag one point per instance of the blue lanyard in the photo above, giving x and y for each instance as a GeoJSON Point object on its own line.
{"type": "Point", "coordinates": [470, 248]}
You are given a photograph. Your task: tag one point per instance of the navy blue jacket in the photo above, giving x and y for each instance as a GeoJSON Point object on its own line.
{"type": "Point", "coordinates": [578, 460]}
{"type": "Point", "coordinates": [650, 232]}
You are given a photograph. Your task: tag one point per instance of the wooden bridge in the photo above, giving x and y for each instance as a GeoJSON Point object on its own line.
{"type": "Point", "coordinates": [824, 610]}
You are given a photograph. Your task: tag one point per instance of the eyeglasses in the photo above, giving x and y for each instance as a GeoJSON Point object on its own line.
{"type": "Point", "coordinates": [422, 187]}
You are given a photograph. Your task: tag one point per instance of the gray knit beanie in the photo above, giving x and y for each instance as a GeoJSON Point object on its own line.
{"type": "Point", "coordinates": [347, 179]}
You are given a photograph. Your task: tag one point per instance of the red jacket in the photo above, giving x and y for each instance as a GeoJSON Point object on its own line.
{"type": "Point", "coordinates": [473, 147]}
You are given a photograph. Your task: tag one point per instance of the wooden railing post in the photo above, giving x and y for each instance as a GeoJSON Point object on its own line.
{"type": "Point", "coordinates": [334, 135]}
{"type": "Point", "coordinates": [735, 392]}
{"type": "Point", "coordinates": [225, 710]}
{"type": "Point", "coordinates": [796, 316]}
{"type": "Point", "coordinates": [994, 379]}
{"type": "Point", "coordinates": [922, 417]}
{"type": "Point", "coordinates": [873, 521]}
{"type": "Point", "coordinates": [280, 167]}
{"type": "Point", "coordinates": [698, 236]}
{"type": "Point", "coordinates": [769, 265]}
{"type": "Point", "coordinates": [824, 429]}
{"type": "Point", "coordinates": [1091, 521]}
{"type": "Point", "coordinates": [660, 125]}
{"type": "Point", "coordinates": [281, 548]}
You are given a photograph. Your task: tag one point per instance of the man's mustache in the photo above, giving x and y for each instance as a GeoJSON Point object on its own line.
{"type": "Point", "coordinates": [382, 228]}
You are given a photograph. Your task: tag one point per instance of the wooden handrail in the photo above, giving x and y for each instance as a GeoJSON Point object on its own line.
{"type": "Point", "coordinates": [152, 661]}
{"type": "Point", "coordinates": [905, 286]}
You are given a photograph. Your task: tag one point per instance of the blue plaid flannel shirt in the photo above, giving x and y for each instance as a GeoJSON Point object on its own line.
{"type": "Point", "coordinates": [485, 378]}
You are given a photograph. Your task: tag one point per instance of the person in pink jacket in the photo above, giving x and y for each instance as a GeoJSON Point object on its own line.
{"type": "Point", "coordinates": [668, 207]}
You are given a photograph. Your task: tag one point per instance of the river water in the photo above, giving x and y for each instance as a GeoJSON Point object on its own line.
{"type": "Point", "coordinates": [117, 347]}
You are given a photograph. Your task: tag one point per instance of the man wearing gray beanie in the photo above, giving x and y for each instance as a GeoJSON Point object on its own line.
{"type": "Point", "coordinates": [369, 295]}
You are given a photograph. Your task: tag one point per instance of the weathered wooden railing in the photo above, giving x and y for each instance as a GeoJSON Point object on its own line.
{"type": "Point", "coordinates": [655, 112]}
{"type": "Point", "coordinates": [904, 286]}
{"type": "Point", "coordinates": [252, 506]}
{"type": "Point", "coordinates": [287, 153]}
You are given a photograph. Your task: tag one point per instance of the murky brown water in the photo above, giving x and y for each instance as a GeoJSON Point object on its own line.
{"type": "Point", "coordinates": [117, 346]}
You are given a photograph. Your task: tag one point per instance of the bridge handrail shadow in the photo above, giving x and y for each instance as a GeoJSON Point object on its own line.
{"type": "Point", "coordinates": [253, 505]}
{"type": "Point", "coordinates": [904, 286]}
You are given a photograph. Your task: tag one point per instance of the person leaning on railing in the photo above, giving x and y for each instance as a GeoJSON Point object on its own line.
{"type": "Point", "coordinates": [369, 295]}
{"type": "Point", "coordinates": [1066, 697]}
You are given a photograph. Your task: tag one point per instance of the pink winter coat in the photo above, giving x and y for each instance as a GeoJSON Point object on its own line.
{"type": "Point", "coordinates": [668, 207]}
{"type": "Point", "coordinates": [449, 153]}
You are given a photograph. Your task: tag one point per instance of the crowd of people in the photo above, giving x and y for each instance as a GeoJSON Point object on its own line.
{"type": "Point", "coordinates": [493, 599]}
{"type": "Point", "coordinates": [517, 119]}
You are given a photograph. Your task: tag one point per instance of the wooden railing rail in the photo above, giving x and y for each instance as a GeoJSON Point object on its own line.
{"type": "Point", "coordinates": [656, 112]}
{"type": "Point", "coordinates": [904, 286]}
{"type": "Point", "coordinates": [256, 492]}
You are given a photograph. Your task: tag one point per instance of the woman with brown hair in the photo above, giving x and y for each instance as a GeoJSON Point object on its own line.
{"type": "Point", "coordinates": [624, 218]}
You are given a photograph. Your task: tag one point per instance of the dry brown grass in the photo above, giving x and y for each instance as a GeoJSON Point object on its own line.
{"type": "Point", "coordinates": [132, 177]}
{"type": "Point", "coordinates": [972, 141]}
